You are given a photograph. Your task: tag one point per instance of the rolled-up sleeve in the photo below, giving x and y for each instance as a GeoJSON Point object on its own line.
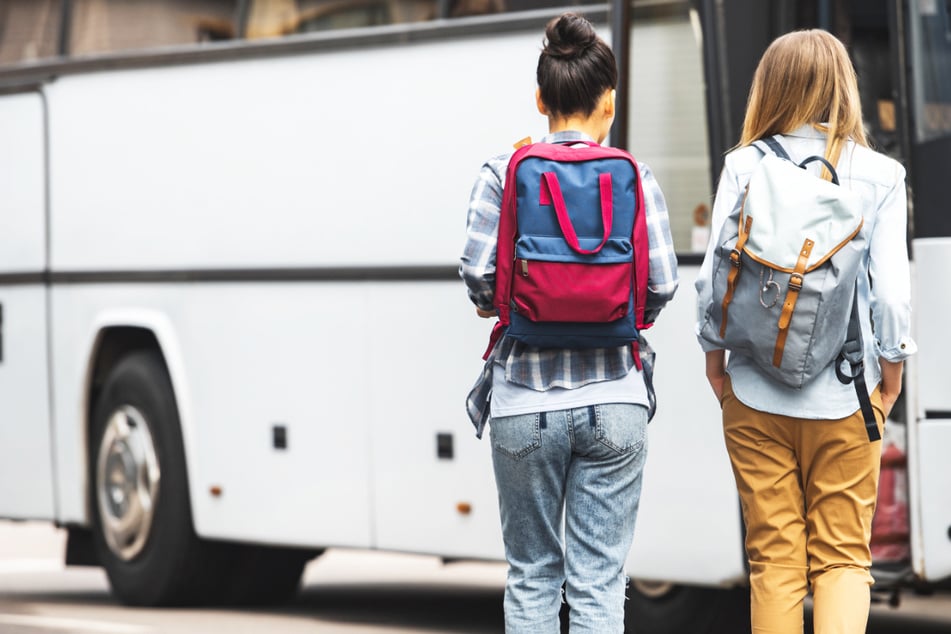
{"type": "Point", "coordinates": [728, 190]}
{"type": "Point", "coordinates": [663, 278]}
{"type": "Point", "coordinates": [889, 272]}
{"type": "Point", "coordinates": [477, 269]}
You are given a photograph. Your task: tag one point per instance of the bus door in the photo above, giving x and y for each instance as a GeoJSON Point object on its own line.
{"type": "Point", "coordinates": [927, 50]}
{"type": "Point", "coordinates": [26, 486]}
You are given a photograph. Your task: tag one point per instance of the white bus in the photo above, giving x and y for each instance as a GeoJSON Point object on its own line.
{"type": "Point", "coordinates": [232, 332]}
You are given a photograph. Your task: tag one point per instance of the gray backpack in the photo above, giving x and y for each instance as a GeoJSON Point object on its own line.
{"type": "Point", "coordinates": [785, 273]}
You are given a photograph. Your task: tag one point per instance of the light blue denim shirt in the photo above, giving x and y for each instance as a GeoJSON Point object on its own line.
{"type": "Point", "coordinates": [885, 302]}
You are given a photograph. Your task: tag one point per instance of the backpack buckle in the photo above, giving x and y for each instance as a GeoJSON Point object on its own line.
{"type": "Point", "coordinates": [795, 282]}
{"type": "Point", "coordinates": [735, 258]}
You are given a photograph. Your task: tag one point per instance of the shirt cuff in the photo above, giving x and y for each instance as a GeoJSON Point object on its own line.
{"type": "Point", "coordinates": [482, 299]}
{"type": "Point", "coordinates": [904, 348]}
{"type": "Point", "coordinates": [705, 345]}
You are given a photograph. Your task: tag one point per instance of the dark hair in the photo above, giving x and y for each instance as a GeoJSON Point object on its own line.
{"type": "Point", "coordinates": [575, 67]}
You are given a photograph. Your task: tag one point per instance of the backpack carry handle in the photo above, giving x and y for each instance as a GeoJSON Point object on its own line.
{"type": "Point", "coordinates": [773, 144]}
{"type": "Point", "coordinates": [835, 177]}
{"type": "Point", "coordinates": [550, 183]}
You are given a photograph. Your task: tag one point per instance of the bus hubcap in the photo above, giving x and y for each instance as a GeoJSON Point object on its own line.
{"type": "Point", "coordinates": [127, 482]}
{"type": "Point", "coordinates": [653, 589]}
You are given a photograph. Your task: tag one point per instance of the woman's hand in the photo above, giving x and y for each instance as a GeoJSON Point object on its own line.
{"type": "Point", "coordinates": [888, 402]}
{"type": "Point", "coordinates": [891, 383]}
{"type": "Point", "coordinates": [486, 314]}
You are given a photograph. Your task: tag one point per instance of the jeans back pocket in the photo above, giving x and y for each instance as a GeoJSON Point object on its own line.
{"type": "Point", "coordinates": [621, 427]}
{"type": "Point", "coordinates": [515, 436]}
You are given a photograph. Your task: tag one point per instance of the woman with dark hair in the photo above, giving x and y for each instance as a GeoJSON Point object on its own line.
{"type": "Point", "coordinates": [805, 470]}
{"type": "Point", "coordinates": [568, 426]}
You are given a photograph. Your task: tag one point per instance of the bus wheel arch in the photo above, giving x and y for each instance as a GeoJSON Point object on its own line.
{"type": "Point", "coordinates": [111, 345]}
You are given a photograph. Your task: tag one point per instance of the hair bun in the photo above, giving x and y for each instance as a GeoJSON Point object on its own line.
{"type": "Point", "coordinates": [568, 36]}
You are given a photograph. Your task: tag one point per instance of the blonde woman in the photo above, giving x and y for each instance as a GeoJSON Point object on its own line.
{"type": "Point", "coordinates": [805, 470]}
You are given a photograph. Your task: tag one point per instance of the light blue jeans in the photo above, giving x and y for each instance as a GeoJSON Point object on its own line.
{"type": "Point", "coordinates": [582, 465]}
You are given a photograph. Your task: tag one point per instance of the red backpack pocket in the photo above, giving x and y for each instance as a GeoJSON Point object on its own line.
{"type": "Point", "coordinates": [571, 291]}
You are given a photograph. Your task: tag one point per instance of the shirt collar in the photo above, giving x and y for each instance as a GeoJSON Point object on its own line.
{"type": "Point", "coordinates": [566, 135]}
{"type": "Point", "coordinates": [807, 131]}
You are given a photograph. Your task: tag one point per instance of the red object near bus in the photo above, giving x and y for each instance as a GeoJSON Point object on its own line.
{"type": "Point", "coordinates": [890, 535]}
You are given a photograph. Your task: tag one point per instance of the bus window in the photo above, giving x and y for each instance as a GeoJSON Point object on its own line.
{"type": "Point", "coordinates": [931, 68]}
{"type": "Point", "coordinates": [528, 5]}
{"type": "Point", "coordinates": [102, 26]}
{"type": "Point", "coordinates": [276, 18]}
{"type": "Point", "coordinates": [462, 8]}
{"type": "Point", "coordinates": [343, 15]}
{"type": "Point", "coordinates": [29, 30]}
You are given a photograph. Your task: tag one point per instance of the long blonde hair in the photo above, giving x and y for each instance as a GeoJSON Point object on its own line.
{"type": "Point", "coordinates": [806, 77]}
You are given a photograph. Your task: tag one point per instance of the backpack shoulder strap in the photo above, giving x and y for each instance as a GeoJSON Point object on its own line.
{"type": "Point", "coordinates": [640, 239]}
{"type": "Point", "coordinates": [853, 354]}
{"type": "Point", "coordinates": [772, 144]}
{"type": "Point", "coordinates": [505, 243]}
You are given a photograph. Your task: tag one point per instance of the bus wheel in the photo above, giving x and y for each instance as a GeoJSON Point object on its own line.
{"type": "Point", "coordinates": [665, 608]}
{"type": "Point", "coordinates": [141, 513]}
{"type": "Point", "coordinates": [264, 575]}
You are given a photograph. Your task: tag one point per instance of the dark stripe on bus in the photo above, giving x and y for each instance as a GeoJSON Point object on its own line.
{"type": "Point", "coordinates": [23, 279]}
{"type": "Point", "coordinates": [317, 274]}
{"type": "Point", "coordinates": [434, 273]}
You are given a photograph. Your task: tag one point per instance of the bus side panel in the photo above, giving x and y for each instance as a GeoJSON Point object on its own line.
{"type": "Point", "coordinates": [26, 473]}
{"type": "Point", "coordinates": [326, 160]}
{"type": "Point", "coordinates": [933, 563]}
{"type": "Point", "coordinates": [689, 528]}
{"type": "Point", "coordinates": [262, 358]}
{"type": "Point", "coordinates": [338, 158]}
{"type": "Point", "coordinates": [246, 359]}
{"type": "Point", "coordinates": [26, 476]}
{"type": "Point", "coordinates": [23, 186]}
{"type": "Point", "coordinates": [434, 489]}
{"type": "Point", "coordinates": [932, 271]}
{"type": "Point", "coordinates": [929, 439]}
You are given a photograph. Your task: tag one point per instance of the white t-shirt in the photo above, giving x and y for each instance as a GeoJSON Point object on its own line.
{"type": "Point", "coordinates": [510, 399]}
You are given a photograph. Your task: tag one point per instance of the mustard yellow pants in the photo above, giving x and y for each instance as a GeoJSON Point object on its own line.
{"type": "Point", "coordinates": [807, 491]}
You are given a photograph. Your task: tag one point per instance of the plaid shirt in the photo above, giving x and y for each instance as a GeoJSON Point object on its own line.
{"type": "Point", "coordinates": [543, 369]}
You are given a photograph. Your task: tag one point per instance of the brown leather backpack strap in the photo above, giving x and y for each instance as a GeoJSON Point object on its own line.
{"type": "Point", "coordinates": [734, 274]}
{"type": "Point", "coordinates": [792, 294]}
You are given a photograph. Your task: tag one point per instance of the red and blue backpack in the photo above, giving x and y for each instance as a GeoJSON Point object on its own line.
{"type": "Point", "coordinates": [572, 255]}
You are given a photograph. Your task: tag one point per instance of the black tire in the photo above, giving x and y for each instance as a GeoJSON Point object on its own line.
{"type": "Point", "coordinates": [265, 575]}
{"type": "Point", "coordinates": [170, 565]}
{"type": "Point", "coordinates": [674, 609]}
